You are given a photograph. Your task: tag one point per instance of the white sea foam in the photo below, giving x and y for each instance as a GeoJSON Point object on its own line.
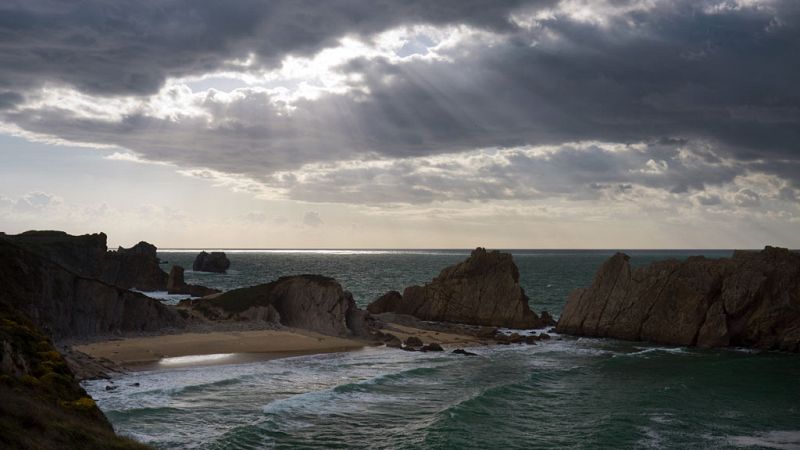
{"type": "Point", "coordinates": [770, 439]}
{"type": "Point", "coordinates": [170, 299]}
{"type": "Point", "coordinates": [194, 359]}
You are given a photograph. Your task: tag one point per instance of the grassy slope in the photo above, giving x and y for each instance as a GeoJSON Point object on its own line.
{"type": "Point", "coordinates": [42, 406]}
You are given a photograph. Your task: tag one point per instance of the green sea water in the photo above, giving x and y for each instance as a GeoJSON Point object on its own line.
{"type": "Point", "coordinates": [563, 393]}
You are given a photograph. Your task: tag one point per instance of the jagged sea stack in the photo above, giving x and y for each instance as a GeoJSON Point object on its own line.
{"type": "Point", "coordinates": [749, 300]}
{"type": "Point", "coordinates": [482, 290]}
{"type": "Point", "coordinates": [211, 262]}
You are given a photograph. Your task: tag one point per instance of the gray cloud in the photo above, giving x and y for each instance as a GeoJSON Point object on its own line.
{"type": "Point", "coordinates": [132, 47]}
{"type": "Point", "coordinates": [312, 219]}
{"type": "Point", "coordinates": [721, 83]}
{"type": "Point", "coordinates": [585, 173]}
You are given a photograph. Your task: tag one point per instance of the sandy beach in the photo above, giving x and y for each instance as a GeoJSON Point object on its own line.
{"type": "Point", "coordinates": [228, 347]}
{"type": "Point", "coordinates": [404, 332]}
{"type": "Point", "coordinates": [136, 353]}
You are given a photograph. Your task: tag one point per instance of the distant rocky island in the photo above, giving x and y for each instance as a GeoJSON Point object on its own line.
{"type": "Point", "coordinates": [57, 290]}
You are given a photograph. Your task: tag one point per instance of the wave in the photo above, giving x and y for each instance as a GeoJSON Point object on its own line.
{"type": "Point", "coordinates": [645, 351]}
{"type": "Point", "coordinates": [769, 439]}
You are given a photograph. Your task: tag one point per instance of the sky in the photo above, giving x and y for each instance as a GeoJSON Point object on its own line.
{"type": "Point", "coordinates": [612, 124]}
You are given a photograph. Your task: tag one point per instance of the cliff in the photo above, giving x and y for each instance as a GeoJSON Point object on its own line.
{"type": "Point", "coordinates": [68, 305]}
{"type": "Point", "coordinates": [749, 300]}
{"type": "Point", "coordinates": [41, 403]}
{"type": "Point", "coordinates": [311, 302]}
{"type": "Point", "coordinates": [88, 256]}
{"type": "Point", "coordinates": [482, 290]}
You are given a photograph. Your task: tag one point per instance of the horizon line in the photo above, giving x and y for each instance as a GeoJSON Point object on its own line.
{"type": "Point", "coordinates": [468, 249]}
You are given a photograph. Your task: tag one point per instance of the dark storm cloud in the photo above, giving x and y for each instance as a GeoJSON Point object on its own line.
{"type": "Point", "coordinates": [714, 80]}
{"type": "Point", "coordinates": [132, 47]}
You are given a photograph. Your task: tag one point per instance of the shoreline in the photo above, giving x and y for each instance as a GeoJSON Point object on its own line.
{"type": "Point", "coordinates": [192, 349]}
{"type": "Point", "coordinates": [142, 353]}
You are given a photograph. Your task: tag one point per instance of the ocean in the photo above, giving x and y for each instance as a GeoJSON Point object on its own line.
{"type": "Point", "coordinates": [564, 393]}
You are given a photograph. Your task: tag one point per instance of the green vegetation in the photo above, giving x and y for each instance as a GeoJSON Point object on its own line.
{"type": "Point", "coordinates": [41, 403]}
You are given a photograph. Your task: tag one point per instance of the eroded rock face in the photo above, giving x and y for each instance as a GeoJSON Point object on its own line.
{"type": "Point", "coordinates": [43, 406]}
{"type": "Point", "coordinates": [177, 285]}
{"type": "Point", "coordinates": [134, 268]}
{"type": "Point", "coordinates": [387, 302]}
{"type": "Point", "coordinates": [750, 300]}
{"type": "Point", "coordinates": [88, 256]}
{"type": "Point", "coordinates": [311, 302]}
{"type": "Point", "coordinates": [67, 305]}
{"type": "Point", "coordinates": [211, 262]}
{"type": "Point", "coordinates": [482, 290]}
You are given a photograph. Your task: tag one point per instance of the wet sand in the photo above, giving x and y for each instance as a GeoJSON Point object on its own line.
{"type": "Point", "coordinates": [176, 350]}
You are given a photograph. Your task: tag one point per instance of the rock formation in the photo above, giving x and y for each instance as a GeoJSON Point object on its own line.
{"type": "Point", "coordinates": [41, 403]}
{"type": "Point", "coordinates": [211, 262]}
{"type": "Point", "coordinates": [67, 305]}
{"type": "Point", "coordinates": [87, 255]}
{"type": "Point", "coordinates": [750, 300]}
{"type": "Point", "coordinates": [311, 302]}
{"type": "Point", "coordinates": [134, 268]}
{"type": "Point", "coordinates": [387, 302]}
{"type": "Point", "coordinates": [177, 285]}
{"type": "Point", "coordinates": [482, 290]}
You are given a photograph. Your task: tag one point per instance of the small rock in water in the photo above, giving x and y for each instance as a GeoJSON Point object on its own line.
{"type": "Point", "coordinates": [393, 341]}
{"type": "Point", "coordinates": [111, 388]}
{"type": "Point", "coordinates": [544, 337]}
{"type": "Point", "coordinates": [413, 341]}
{"type": "Point", "coordinates": [135, 385]}
{"type": "Point", "coordinates": [432, 347]}
{"type": "Point", "coordinates": [461, 351]}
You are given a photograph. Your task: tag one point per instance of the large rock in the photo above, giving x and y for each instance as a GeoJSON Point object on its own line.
{"type": "Point", "coordinates": [88, 256]}
{"type": "Point", "coordinates": [387, 302]}
{"type": "Point", "coordinates": [42, 405]}
{"type": "Point", "coordinates": [177, 285]}
{"type": "Point", "coordinates": [750, 300]}
{"type": "Point", "coordinates": [311, 302]}
{"type": "Point", "coordinates": [67, 305]}
{"type": "Point", "coordinates": [211, 262]}
{"type": "Point", "coordinates": [482, 290]}
{"type": "Point", "coordinates": [135, 268]}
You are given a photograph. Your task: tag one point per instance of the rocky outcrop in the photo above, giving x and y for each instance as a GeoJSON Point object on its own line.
{"type": "Point", "coordinates": [134, 268]}
{"type": "Point", "coordinates": [749, 300]}
{"type": "Point", "coordinates": [482, 290]}
{"type": "Point", "coordinates": [211, 262]}
{"type": "Point", "coordinates": [88, 256]}
{"type": "Point", "coordinates": [177, 285]}
{"type": "Point", "coordinates": [42, 405]}
{"type": "Point", "coordinates": [387, 302]}
{"type": "Point", "coordinates": [311, 302]}
{"type": "Point", "coordinates": [67, 305]}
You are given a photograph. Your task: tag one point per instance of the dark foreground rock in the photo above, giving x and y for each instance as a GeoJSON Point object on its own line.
{"type": "Point", "coordinates": [177, 285]}
{"type": "Point", "coordinates": [67, 305]}
{"type": "Point", "coordinates": [749, 300]}
{"type": "Point", "coordinates": [311, 302]}
{"type": "Point", "coordinates": [88, 256]}
{"type": "Point", "coordinates": [41, 403]}
{"type": "Point", "coordinates": [483, 290]}
{"type": "Point", "coordinates": [461, 351]}
{"type": "Point", "coordinates": [211, 262]}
